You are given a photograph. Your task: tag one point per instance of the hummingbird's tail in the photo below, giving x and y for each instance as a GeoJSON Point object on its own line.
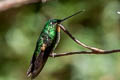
{"type": "Point", "coordinates": [37, 64]}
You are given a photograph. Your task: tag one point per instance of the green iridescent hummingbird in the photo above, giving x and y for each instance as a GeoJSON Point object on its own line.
{"type": "Point", "coordinates": [45, 45]}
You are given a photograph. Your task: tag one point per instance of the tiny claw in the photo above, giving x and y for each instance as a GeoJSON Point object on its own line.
{"type": "Point", "coordinates": [53, 55]}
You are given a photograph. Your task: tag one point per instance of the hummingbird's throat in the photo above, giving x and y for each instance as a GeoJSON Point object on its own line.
{"type": "Point", "coordinates": [58, 28]}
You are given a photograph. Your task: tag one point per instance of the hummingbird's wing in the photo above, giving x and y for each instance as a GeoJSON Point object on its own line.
{"type": "Point", "coordinates": [39, 64]}
{"type": "Point", "coordinates": [36, 65]}
{"type": "Point", "coordinates": [38, 61]}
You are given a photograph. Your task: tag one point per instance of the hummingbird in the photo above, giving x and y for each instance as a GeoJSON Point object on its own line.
{"type": "Point", "coordinates": [46, 44]}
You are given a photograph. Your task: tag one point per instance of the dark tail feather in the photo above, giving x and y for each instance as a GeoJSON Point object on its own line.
{"type": "Point", "coordinates": [36, 67]}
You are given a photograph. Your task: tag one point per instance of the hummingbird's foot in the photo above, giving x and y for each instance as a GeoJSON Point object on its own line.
{"type": "Point", "coordinates": [53, 55]}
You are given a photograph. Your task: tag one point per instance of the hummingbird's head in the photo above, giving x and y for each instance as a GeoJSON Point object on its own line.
{"type": "Point", "coordinates": [54, 21]}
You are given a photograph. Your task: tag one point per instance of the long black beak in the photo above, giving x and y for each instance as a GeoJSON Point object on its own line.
{"type": "Point", "coordinates": [61, 20]}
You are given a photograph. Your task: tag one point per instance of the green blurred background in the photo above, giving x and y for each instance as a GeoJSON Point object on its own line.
{"type": "Point", "coordinates": [99, 26]}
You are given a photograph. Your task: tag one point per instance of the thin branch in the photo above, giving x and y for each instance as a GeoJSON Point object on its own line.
{"type": "Point", "coordinates": [78, 42]}
{"type": "Point", "coordinates": [7, 4]}
{"type": "Point", "coordinates": [84, 52]}
{"type": "Point", "coordinates": [93, 49]}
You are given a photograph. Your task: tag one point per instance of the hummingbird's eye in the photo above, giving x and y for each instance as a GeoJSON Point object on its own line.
{"type": "Point", "coordinates": [51, 23]}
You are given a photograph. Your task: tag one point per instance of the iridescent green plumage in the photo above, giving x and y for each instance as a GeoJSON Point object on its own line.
{"type": "Point", "coordinates": [50, 37]}
{"type": "Point", "coordinates": [48, 34]}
